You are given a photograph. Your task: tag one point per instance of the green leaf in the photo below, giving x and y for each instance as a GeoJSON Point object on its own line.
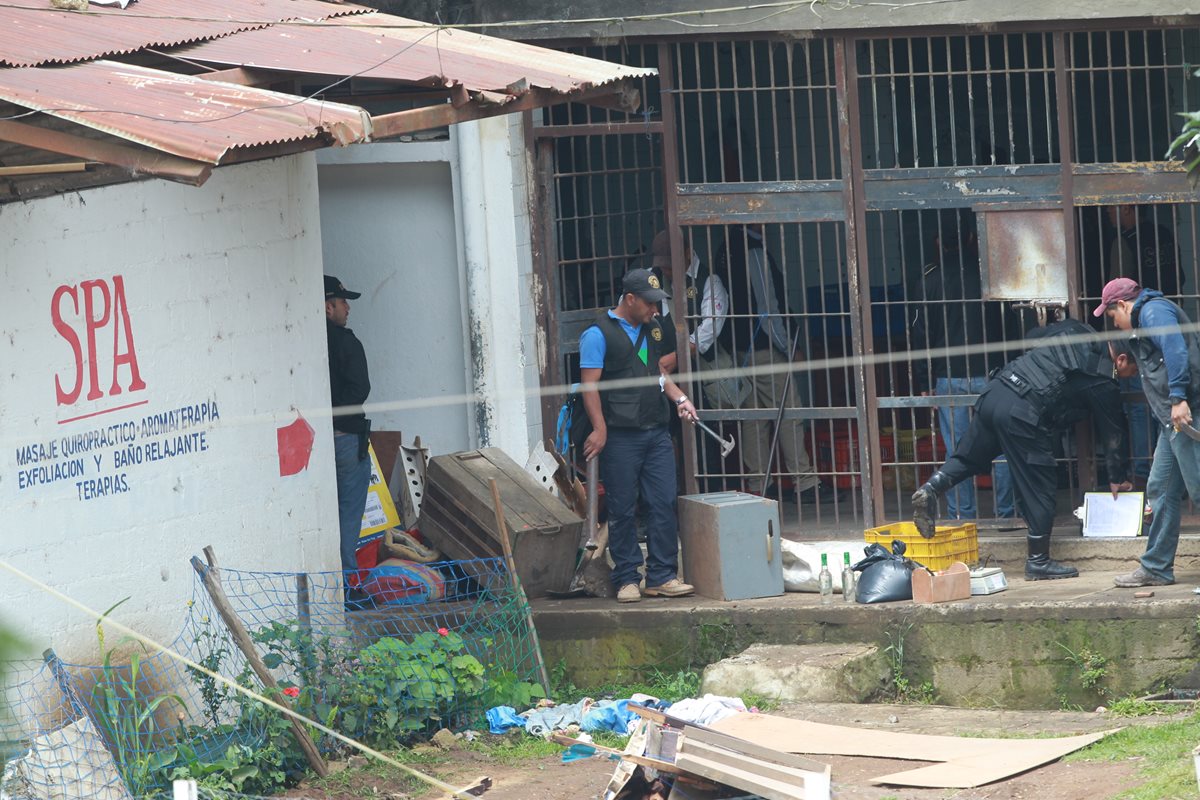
{"type": "Point", "coordinates": [272, 660]}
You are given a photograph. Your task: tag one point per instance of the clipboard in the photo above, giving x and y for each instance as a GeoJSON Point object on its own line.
{"type": "Point", "coordinates": [1104, 517]}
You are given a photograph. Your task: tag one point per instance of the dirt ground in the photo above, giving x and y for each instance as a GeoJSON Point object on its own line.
{"type": "Point", "coordinates": [550, 779]}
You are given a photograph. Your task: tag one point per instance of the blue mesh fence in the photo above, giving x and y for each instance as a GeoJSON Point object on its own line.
{"type": "Point", "coordinates": [438, 656]}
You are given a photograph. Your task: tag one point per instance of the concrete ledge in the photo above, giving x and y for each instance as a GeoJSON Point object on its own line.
{"type": "Point", "coordinates": [1014, 649]}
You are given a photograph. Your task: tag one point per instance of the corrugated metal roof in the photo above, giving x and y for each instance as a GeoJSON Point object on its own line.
{"type": "Point", "coordinates": [410, 52]}
{"type": "Point", "coordinates": [178, 114]}
{"type": "Point", "coordinates": [33, 33]}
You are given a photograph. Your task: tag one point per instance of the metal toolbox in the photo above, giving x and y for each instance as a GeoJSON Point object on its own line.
{"type": "Point", "coordinates": [731, 545]}
{"type": "Point", "coordinates": [458, 517]}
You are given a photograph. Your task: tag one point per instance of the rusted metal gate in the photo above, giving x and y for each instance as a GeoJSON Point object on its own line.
{"type": "Point", "coordinates": [890, 179]}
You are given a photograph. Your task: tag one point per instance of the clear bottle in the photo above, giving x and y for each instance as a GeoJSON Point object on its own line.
{"type": "Point", "coordinates": [847, 579]}
{"type": "Point", "coordinates": [825, 580]}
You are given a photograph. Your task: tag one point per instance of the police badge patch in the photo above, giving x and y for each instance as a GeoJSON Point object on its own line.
{"type": "Point", "coordinates": [691, 293]}
{"type": "Point", "coordinates": [656, 334]}
{"type": "Point", "coordinates": [653, 281]}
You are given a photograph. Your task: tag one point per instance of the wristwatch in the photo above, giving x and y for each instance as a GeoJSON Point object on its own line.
{"type": "Point", "coordinates": [682, 399]}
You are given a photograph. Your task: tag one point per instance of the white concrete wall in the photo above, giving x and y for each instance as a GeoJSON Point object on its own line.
{"type": "Point", "coordinates": [224, 304]}
{"type": "Point", "coordinates": [388, 230]}
{"type": "Point", "coordinates": [436, 236]}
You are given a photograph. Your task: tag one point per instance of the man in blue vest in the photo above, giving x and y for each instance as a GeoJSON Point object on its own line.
{"type": "Point", "coordinates": [1167, 350]}
{"type": "Point", "coordinates": [630, 435]}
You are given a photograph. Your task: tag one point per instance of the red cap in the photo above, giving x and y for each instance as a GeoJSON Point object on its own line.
{"type": "Point", "coordinates": [1115, 290]}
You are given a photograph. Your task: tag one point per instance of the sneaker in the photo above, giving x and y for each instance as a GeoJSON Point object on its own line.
{"type": "Point", "coordinates": [629, 593]}
{"type": "Point", "coordinates": [672, 588]}
{"type": "Point", "coordinates": [1140, 577]}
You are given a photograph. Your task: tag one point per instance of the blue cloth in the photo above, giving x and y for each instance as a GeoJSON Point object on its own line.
{"type": "Point", "coordinates": [609, 715]}
{"type": "Point", "coordinates": [1170, 342]}
{"type": "Point", "coordinates": [953, 421]}
{"type": "Point", "coordinates": [544, 721]}
{"type": "Point", "coordinates": [504, 718]}
{"type": "Point", "coordinates": [592, 345]}
{"type": "Point", "coordinates": [353, 481]}
{"type": "Point", "coordinates": [632, 462]}
{"type": "Point", "coordinates": [1176, 466]}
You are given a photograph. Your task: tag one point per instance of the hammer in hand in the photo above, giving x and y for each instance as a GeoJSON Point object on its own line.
{"type": "Point", "coordinates": [726, 444]}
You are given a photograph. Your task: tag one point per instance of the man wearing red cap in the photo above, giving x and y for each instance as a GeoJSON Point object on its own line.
{"type": "Point", "coordinates": [1167, 351]}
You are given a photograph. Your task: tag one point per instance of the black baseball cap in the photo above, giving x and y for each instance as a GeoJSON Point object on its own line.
{"type": "Point", "coordinates": [644, 284]}
{"type": "Point", "coordinates": [334, 288]}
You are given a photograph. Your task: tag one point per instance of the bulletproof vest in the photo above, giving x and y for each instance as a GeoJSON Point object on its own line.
{"type": "Point", "coordinates": [1041, 374]}
{"type": "Point", "coordinates": [632, 406]}
{"type": "Point", "coordinates": [1153, 368]}
{"type": "Point", "coordinates": [744, 329]}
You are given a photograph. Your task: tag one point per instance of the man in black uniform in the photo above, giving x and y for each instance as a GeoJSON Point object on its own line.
{"type": "Point", "coordinates": [630, 436]}
{"type": "Point", "coordinates": [1068, 374]}
{"type": "Point", "coordinates": [349, 385]}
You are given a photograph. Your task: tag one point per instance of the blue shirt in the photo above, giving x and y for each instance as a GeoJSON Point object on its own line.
{"type": "Point", "coordinates": [593, 346]}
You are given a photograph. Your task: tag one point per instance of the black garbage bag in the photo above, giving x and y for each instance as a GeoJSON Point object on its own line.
{"type": "Point", "coordinates": [883, 576]}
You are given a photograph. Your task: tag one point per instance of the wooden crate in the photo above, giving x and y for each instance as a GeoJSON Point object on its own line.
{"type": "Point", "coordinates": [458, 518]}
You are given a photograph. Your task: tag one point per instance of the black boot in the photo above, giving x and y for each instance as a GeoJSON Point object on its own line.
{"type": "Point", "coordinates": [925, 503]}
{"type": "Point", "coordinates": [1039, 566]}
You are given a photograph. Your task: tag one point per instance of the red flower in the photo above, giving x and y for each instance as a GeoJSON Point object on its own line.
{"type": "Point", "coordinates": [443, 631]}
{"type": "Point", "coordinates": [292, 691]}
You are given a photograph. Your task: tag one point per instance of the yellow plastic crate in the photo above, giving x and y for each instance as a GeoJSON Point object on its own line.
{"type": "Point", "coordinates": [950, 543]}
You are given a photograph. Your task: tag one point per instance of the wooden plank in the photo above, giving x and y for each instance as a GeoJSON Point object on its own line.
{"type": "Point", "coordinates": [767, 788]}
{"type": "Point", "coordinates": [136, 159]}
{"type": "Point", "coordinates": [209, 576]}
{"type": "Point", "coordinates": [798, 778]}
{"type": "Point", "coordinates": [713, 738]}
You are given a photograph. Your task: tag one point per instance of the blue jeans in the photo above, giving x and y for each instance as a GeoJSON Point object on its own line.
{"type": "Point", "coordinates": [644, 460]}
{"type": "Point", "coordinates": [953, 421]}
{"type": "Point", "coordinates": [353, 481]}
{"type": "Point", "coordinates": [1176, 466]}
{"type": "Point", "coordinates": [1142, 428]}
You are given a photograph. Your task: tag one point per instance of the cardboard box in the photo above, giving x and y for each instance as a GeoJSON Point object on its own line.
{"type": "Point", "coordinates": [943, 586]}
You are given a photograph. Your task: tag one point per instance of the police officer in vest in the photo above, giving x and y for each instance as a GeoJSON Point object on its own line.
{"type": "Point", "coordinates": [630, 435]}
{"type": "Point", "coordinates": [1069, 374]}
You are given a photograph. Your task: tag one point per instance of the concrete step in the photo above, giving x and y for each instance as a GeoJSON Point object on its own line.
{"type": "Point", "coordinates": [1008, 550]}
{"type": "Point", "coordinates": [818, 673]}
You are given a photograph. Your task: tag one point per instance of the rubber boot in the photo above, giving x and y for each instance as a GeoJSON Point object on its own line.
{"type": "Point", "coordinates": [925, 503]}
{"type": "Point", "coordinates": [1039, 566]}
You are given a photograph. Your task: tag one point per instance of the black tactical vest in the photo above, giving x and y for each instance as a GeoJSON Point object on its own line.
{"type": "Point", "coordinates": [639, 407]}
{"type": "Point", "coordinates": [1040, 375]}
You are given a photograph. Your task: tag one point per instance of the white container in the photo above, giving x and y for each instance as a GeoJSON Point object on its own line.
{"type": "Point", "coordinates": [988, 580]}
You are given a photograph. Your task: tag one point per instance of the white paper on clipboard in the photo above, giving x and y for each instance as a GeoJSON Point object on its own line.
{"type": "Point", "coordinates": [1105, 517]}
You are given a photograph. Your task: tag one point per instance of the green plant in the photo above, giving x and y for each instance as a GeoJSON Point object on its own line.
{"type": "Point", "coordinates": [126, 715]}
{"type": "Point", "coordinates": [400, 686]}
{"type": "Point", "coordinates": [903, 688]}
{"type": "Point", "coordinates": [505, 688]}
{"type": "Point", "coordinates": [1136, 707]}
{"type": "Point", "coordinates": [1162, 751]}
{"type": "Point", "coordinates": [1092, 668]}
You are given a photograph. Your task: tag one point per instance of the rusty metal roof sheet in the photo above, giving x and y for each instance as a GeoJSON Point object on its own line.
{"type": "Point", "coordinates": [178, 114]}
{"type": "Point", "coordinates": [33, 33]}
{"type": "Point", "coordinates": [387, 47]}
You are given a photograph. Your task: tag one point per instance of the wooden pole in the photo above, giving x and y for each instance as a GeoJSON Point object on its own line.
{"type": "Point", "coordinates": [506, 546]}
{"type": "Point", "coordinates": [211, 579]}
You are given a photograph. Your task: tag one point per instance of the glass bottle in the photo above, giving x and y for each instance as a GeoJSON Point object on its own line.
{"type": "Point", "coordinates": [847, 579]}
{"type": "Point", "coordinates": [825, 580]}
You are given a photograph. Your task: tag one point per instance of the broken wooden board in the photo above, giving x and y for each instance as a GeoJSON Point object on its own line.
{"type": "Point", "coordinates": [764, 777]}
{"type": "Point", "coordinates": [965, 763]}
